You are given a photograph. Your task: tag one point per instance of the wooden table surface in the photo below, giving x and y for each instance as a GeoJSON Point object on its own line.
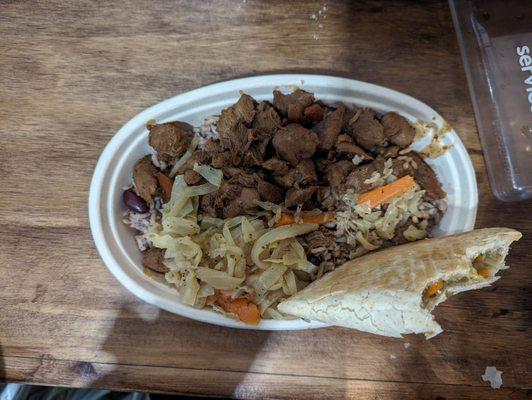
{"type": "Point", "coordinates": [72, 72]}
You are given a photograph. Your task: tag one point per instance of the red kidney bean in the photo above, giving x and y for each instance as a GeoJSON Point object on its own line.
{"type": "Point", "coordinates": [134, 202]}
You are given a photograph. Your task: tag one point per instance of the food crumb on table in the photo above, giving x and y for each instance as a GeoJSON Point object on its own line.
{"type": "Point", "coordinates": [493, 376]}
{"type": "Point", "coordinates": [318, 18]}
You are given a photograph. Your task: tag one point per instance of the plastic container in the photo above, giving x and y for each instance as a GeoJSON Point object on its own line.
{"type": "Point", "coordinates": [115, 241]}
{"type": "Point", "coordinates": [495, 39]}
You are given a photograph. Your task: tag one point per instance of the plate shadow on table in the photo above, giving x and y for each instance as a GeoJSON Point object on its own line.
{"type": "Point", "coordinates": [182, 348]}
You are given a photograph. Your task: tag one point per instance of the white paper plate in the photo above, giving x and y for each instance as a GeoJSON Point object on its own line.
{"type": "Point", "coordinates": [115, 242]}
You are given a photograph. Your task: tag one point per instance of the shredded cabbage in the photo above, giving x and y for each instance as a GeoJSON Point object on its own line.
{"type": "Point", "coordinates": [239, 255]}
{"type": "Point", "coordinates": [269, 278]}
{"type": "Point", "coordinates": [266, 301]}
{"type": "Point", "coordinates": [289, 283]}
{"type": "Point", "coordinates": [189, 289]}
{"type": "Point", "coordinates": [185, 157]}
{"type": "Point", "coordinates": [272, 313]}
{"type": "Point", "coordinates": [276, 235]}
{"type": "Point", "coordinates": [205, 290]}
{"type": "Point", "coordinates": [218, 279]}
{"type": "Point", "coordinates": [180, 226]}
{"type": "Point", "coordinates": [213, 176]}
{"type": "Point", "coordinates": [182, 193]}
{"type": "Point", "coordinates": [188, 208]}
{"type": "Point", "coordinates": [201, 190]}
{"type": "Point", "coordinates": [249, 233]}
{"type": "Point", "coordinates": [227, 235]}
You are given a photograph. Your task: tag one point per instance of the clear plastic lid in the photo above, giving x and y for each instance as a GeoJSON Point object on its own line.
{"type": "Point", "coordinates": [495, 39]}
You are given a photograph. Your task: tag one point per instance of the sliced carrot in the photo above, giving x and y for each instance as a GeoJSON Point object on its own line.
{"type": "Point", "coordinates": [434, 288]}
{"type": "Point", "coordinates": [166, 185]}
{"type": "Point", "coordinates": [385, 193]}
{"type": "Point", "coordinates": [245, 310]}
{"type": "Point", "coordinates": [210, 300]}
{"type": "Point", "coordinates": [319, 219]}
{"type": "Point", "coordinates": [484, 272]}
{"type": "Point", "coordinates": [285, 219]}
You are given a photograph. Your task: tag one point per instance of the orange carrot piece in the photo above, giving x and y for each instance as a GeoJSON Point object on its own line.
{"type": "Point", "coordinates": [246, 311]}
{"type": "Point", "coordinates": [434, 288]}
{"type": "Point", "coordinates": [385, 193]}
{"type": "Point", "coordinates": [484, 272]}
{"type": "Point", "coordinates": [319, 219]}
{"type": "Point", "coordinates": [166, 184]}
{"type": "Point", "coordinates": [285, 219]}
{"type": "Point", "coordinates": [210, 300]}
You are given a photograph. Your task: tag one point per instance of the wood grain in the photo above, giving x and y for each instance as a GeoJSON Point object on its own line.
{"type": "Point", "coordinates": [239, 384]}
{"type": "Point", "coordinates": [71, 73]}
